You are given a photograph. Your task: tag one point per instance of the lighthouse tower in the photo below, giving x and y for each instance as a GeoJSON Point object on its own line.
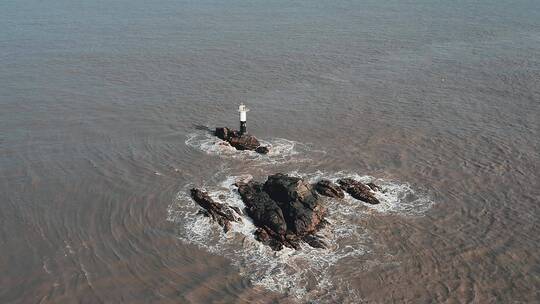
{"type": "Point", "coordinates": [243, 117]}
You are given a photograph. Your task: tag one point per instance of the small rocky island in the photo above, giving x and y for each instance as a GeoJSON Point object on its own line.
{"type": "Point", "coordinates": [286, 210]}
{"type": "Point", "coordinates": [241, 140]}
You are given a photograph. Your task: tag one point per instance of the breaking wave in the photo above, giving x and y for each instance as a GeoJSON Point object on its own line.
{"type": "Point", "coordinates": [306, 274]}
{"type": "Point", "coordinates": [281, 150]}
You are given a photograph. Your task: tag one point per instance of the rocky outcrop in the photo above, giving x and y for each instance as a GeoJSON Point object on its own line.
{"type": "Point", "coordinates": [221, 213]}
{"type": "Point", "coordinates": [327, 188]}
{"type": "Point", "coordinates": [225, 133]}
{"type": "Point", "coordinates": [240, 141]}
{"type": "Point", "coordinates": [244, 142]}
{"type": "Point", "coordinates": [264, 211]}
{"type": "Point", "coordinates": [285, 209]}
{"type": "Point", "coordinates": [302, 209]}
{"type": "Point", "coordinates": [358, 190]}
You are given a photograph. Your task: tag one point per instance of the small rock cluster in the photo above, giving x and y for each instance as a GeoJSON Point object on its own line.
{"type": "Point", "coordinates": [285, 209]}
{"type": "Point", "coordinates": [355, 188]}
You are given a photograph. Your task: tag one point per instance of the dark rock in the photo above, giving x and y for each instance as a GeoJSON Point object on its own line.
{"type": "Point", "coordinates": [221, 213]}
{"type": "Point", "coordinates": [262, 150]}
{"type": "Point", "coordinates": [302, 209]}
{"type": "Point", "coordinates": [374, 187]}
{"type": "Point", "coordinates": [358, 190]}
{"type": "Point", "coordinates": [327, 188]}
{"type": "Point", "coordinates": [314, 241]}
{"type": "Point", "coordinates": [223, 133]}
{"type": "Point", "coordinates": [244, 142]}
{"type": "Point", "coordinates": [262, 236]}
{"type": "Point", "coordinates": [240, 141]}
{"type": "Point", "coordinates": [285, 209]}
{"type": "Point", "coordinates": [292, 241]}
{"type": "Point", "coordinates": [284, 189]}
{"type": "Point", "coordinates": [237, 210]}
{"type": "Point", "coordinates": [269, 238]}
{"type": "Point", "coordinates": [261, 208]}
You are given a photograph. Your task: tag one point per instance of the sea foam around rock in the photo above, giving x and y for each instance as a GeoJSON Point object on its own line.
{"type": "Point", "coordinates": [307, 273]}
{"type": "Point", "coordinates": [281, 150]}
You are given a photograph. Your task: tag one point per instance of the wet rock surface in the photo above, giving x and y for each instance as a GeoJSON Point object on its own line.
{"type": "Point", "coordinates": [241, 141]}
{"type": "Point", "coordinates": [374, 187]}
{"type": "Point", "coordinates": [358, 190]}
{"type": "Point", "coordinates": [327, 188]}
{"type": "Point", "coordinates": [286, 210]}
{"type": "Point", "coordinates": [221, 213]}
{"type": "Point", "coordinates": [264, 211]}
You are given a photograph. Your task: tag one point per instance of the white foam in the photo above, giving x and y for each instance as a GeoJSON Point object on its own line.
{"type": "Point", "coordinates": [396, 197]}
{"type": "Point", "coordinates": [281, 150]}
{"type": "Point", "coordinates": [307, 274]}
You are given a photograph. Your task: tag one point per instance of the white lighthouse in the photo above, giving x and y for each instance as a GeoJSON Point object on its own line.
{"type": "Point", "coordinates": [243, 118]}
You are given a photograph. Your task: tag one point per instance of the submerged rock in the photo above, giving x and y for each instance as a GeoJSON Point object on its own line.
{"type": "Point", "coordinates": [327, 188]}
{"type": "Point", "coordinates": [241, 141]}
{"type": "Point", "coordinates": [358, 190]}
{"type": "Point", "coordinates": [221, 213]}
{"type": "Point", "coordinates": [286, 210]}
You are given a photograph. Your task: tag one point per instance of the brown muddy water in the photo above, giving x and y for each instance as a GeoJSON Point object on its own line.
{"type": "Point", "coordinates": [103, 109]}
